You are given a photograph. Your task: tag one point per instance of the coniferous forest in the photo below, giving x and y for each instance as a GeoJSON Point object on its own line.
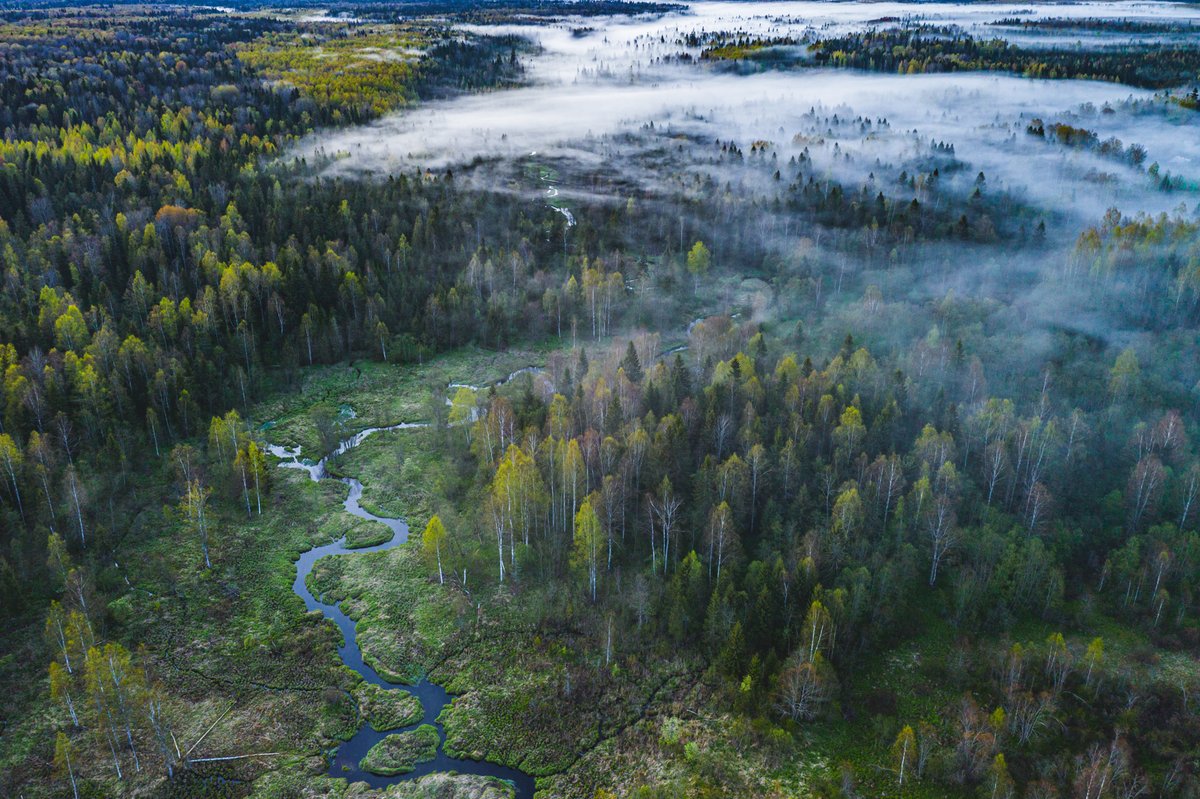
{"type": "Point", "coordinates": [662, 400]}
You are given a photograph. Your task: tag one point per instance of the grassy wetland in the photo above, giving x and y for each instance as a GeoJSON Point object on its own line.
{"type": "Point", "coordinates": [625, 399]}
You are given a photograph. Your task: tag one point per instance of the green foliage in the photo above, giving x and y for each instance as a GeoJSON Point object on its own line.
{"type": "Point", "coordinates": [371, 71]}
{"type": "Point", "coordinates": [699, 259]}
{"type": "Point", "coordinates": [928, 48]}
{"type": "Point", "coordinates": [402, 752]}
{"type": "Point", "coordinates": [387, 709]}
{"type": "Point", "coordinates": [753, 519]}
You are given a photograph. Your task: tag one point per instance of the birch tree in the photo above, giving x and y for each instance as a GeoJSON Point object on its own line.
{"type": "Point", "coordinates": [1094, 658]}
{"type": "Point", "coordinates": [1189, 492]}
{"type": "Point", "coordinates": [589, 543]}
{"type": "Point", "coordinates": [462, 410]}
{"type": "Point", "coordinates": [1143, 489]}
{"type": "Point", "coordinates": [41, 454]}
{"type": "Point", "coordinates": [64, 760]}
{"type": "Point", "coordinates": [664, 509]}
{"type": "Point", "coordinates": [817, 631]}
{"type": "Point", "coordinates": [56, 633]}
{"type": "Point", "coordinates": [903, 751]}
{"type": "Point", "coordinates": [431, 543]}
{"type": "Point", "coordinates": [756, 459]}
{"type": "Point", "coordinates": [11, 459]}
{"type": "Point", "coordinates": [722, 538]}
{"type": "Point", "coordinates": [251, 463]}
{"type": "Point", "coordinates": [195, 508]}
{"type": "Point", "coordinates": [941, 529]}
{"type": "Point", "coordinates": [804, 688]}
{"type": "Point", "coordinates": [77, 497]}
{"type": "Point", "coordinates": [116, 687]}
{"type": "Point", "coordinates": [60, 689]}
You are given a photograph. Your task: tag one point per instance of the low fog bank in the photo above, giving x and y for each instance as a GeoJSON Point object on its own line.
{"type": "Point", "coordinates": [610, 119]}
{"type": "Point", "coordinates": [596, 77]}
{"type": "Point", "coordinates": [984, 117]}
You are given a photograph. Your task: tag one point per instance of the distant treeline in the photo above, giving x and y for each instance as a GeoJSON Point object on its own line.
{"type": "Point", "coordinates": [1097, 25]}
{"type": "Point", "coordinates": [925, 50]}
{"type": "Point", "coordinates": [384, 11]}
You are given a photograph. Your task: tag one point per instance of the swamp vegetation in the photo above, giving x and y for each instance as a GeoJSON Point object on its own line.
{"type": "Point", "coordinates": [716, 400]}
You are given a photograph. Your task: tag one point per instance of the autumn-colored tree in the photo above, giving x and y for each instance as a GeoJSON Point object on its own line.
{"type": "Point", "coordinates": [431, 542]}
{"type": "Point", "coordinates": [588, 545]}
{"type": "Point", "coordinates": [64, 760]}
{"type": "Point", "coordinates": [698, 261]}
{"type": "Point", "coordinates": [904, 751]}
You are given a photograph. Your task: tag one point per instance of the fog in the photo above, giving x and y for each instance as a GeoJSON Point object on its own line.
{"type": "Point", "coordinates": [984, 116]}
{"type": "Point", "coordinates": [610, 93]}
{"type": "Point", "coordinates": [598, 77]}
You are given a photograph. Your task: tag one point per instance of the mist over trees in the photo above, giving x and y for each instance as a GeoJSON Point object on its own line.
{"type": "Point", "coordinates": [822, 402]}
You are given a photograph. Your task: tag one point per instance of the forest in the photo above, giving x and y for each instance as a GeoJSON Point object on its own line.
{"type": "Point", "coordinates": [924, 49]}
{"type": "Point", "coordinates": [702, 455]}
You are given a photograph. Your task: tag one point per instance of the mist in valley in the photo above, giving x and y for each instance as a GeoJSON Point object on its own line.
{"type": "Point", "coordinates": [709, 399]}
{"type": "Point", "coordinates": [617, 110]}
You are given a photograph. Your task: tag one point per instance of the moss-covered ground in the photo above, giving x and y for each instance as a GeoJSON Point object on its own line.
{"type": "Point", "coordinates": [400, 753]}
{"type": "Point", "coordinates": [232, 645]}
{"type": "Point", "coordinates": [387, 710]}
{"type": "Point", "coordinates": [354, 396]}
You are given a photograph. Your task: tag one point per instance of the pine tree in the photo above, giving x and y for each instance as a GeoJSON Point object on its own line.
{"type": "Point", "coordinates": [631, 364]}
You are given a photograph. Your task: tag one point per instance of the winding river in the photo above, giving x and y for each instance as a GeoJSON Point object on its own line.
{"type": "Point", "coordinates": [433, 697]}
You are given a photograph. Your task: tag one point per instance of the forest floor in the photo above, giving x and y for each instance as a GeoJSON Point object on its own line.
{"type": "Point", "coordinates": [232, 646]}
{"type": "Point", "coordinates": [364, 393]}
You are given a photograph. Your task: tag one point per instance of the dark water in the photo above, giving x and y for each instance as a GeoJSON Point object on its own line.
{"type": "Point", "coordinates": [433, 698]}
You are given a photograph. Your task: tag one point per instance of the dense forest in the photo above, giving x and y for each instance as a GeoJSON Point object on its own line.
{"type": "Point", "coordinates": [924, 49]}
{"type": "Point", "coordinates": [946, 50]}
{"type": "Point", "coordinates": [134, 279]}
{"type": "Point", "coordinates": [793, 465]}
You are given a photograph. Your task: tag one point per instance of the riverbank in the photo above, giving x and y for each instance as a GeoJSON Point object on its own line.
{"type": "Point", "coordinates": [358, 760]}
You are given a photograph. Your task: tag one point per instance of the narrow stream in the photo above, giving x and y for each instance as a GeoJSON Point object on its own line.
{"type": "Point", "coordinates": [433, 698]}
{"type": "Point", "coordinates": [551, 195]}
